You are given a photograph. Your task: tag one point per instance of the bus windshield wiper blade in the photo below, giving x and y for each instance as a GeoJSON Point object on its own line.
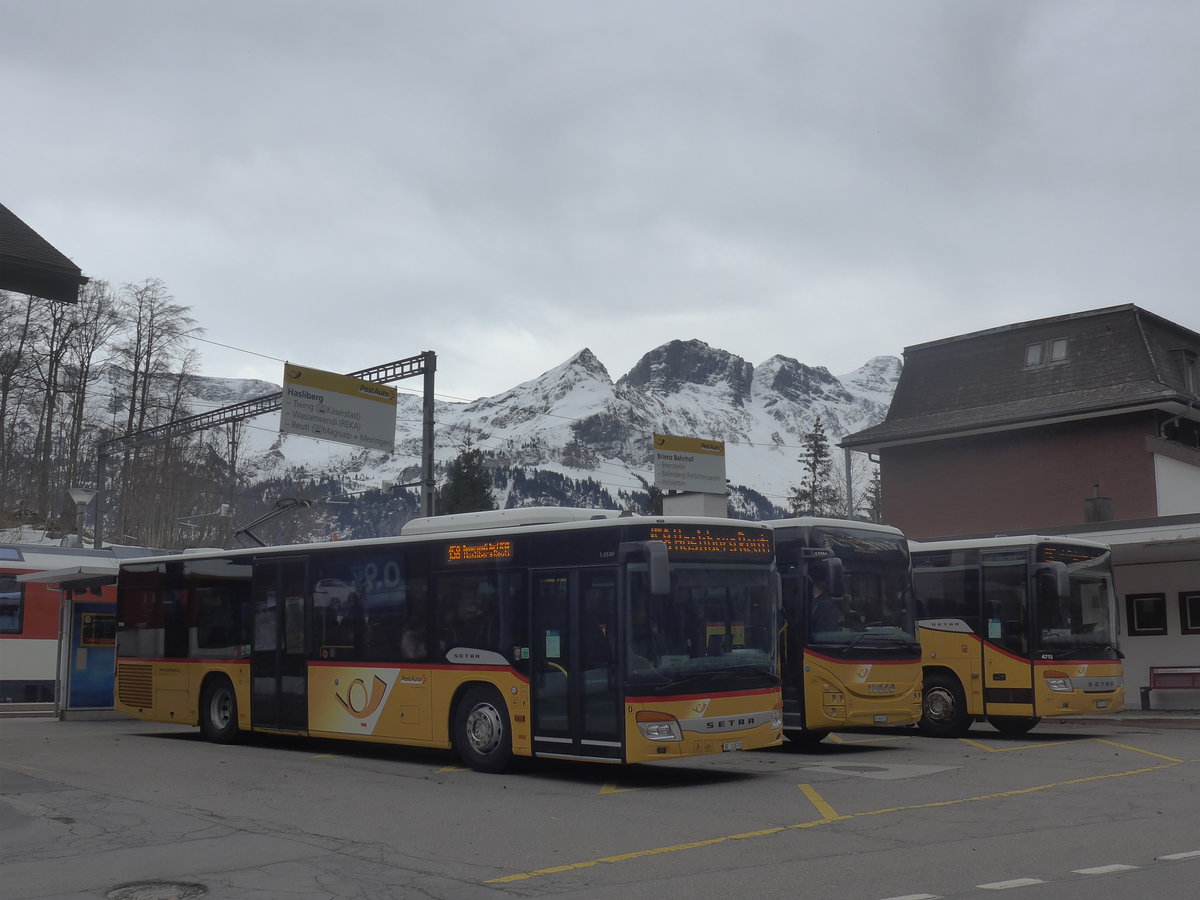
{"type": "Point", "coordinates": [714, 676]}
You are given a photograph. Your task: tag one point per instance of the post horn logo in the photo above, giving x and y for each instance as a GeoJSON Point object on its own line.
{"type": "Point", "coordinates": [358, 702]}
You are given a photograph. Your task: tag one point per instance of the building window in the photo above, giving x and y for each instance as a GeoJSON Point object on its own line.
{"type": "Point", "coordinates": [1043, 353]}
{"type": "Point", "coordinates": [1188, 368]}
{"type": "Point", "coordinates": [1147, 614]}
{"type": "Point", "coordinates": [12, 604]}
{"type": "Point", "coordinates": [1189, 612]}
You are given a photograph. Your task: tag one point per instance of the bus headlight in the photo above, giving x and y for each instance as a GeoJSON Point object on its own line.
{"type": "Point", "coordinates": [658, 726]}
{"type": "Point", "coordinates": [1062, 685]}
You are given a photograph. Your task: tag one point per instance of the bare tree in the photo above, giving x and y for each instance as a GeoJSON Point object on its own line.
{"type": "Point", "coordinates": [157, 331]}
{"type": "Point", "coordinates": [17, 319]}
{"type": "Point", "coordinates": [98, 324]}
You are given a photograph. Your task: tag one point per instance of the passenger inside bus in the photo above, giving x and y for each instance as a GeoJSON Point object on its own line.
{"type": "Point", "coordinates": [474, 622]}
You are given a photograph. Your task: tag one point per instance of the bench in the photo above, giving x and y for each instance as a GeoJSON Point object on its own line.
{"type": "Point", "coordinates": [1171, 678]}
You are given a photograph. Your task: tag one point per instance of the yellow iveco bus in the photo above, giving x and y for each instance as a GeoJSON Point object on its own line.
{"type": "Point", "coordinates": [848, 650]}
{"type": "Point", "coordinates": [572, 634]}
{"type": "Point", "coordinates": [1013, 629]}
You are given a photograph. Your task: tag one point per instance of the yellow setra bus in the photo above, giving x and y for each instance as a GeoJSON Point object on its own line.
{"type": "Point", "coordinates": [1013, 629]}
{"type": "Point", "coordinates": [571, 634]}
{"type": "Point", "coordinates": [849, 652]}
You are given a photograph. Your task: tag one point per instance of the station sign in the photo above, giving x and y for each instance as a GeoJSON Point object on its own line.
{"type": "Point", "coordinates": [689, 464]}
{"type": "Point", "coordinates": [339, 408]}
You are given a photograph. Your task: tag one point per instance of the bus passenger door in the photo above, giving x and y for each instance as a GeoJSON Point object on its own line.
{"type": "Point", "coordinates": [1007, 667]}
{"type": "Point", "coordinates": [575, 690]}
{"type": "Point", "coordinates": [278, 661]}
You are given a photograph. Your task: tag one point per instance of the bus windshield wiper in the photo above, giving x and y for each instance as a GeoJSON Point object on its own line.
{"type": "Point", "coordinates": [714, 676]}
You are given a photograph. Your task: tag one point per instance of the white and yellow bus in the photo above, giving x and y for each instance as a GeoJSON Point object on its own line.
{"type": "Point", "coordinates": [572, 634]}
{"type": "Point", "coordinates": [1014, 629]}
{"type": "Point", "coordinates": [849, 652]}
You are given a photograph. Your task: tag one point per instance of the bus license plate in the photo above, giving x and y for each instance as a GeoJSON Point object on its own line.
{"type": "Point", "coordinates": [731, 745]}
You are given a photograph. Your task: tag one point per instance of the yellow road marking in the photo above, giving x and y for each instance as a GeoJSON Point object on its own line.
{"type": "Point", "coordinates": [1137, 750]}
{"type": "Point", "coordinates": [826, 811]}
{"type": "Point", "coordinates": [980, 746]}
{"type": "Point", "coordinates": [836, 739]}
{"type": "Point", "coordinates": [1022, 746]}
{"type": "Point", "coordinates": [826, 820]}
{"type": "Point", "coordinates": [613, 789]}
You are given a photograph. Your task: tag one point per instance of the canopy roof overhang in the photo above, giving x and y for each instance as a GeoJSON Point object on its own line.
{"type": "Point", "coordinates": [30, 265]}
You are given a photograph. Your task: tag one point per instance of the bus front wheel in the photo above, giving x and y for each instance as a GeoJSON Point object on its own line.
{"type": "Point", "coordinates": [481, 730]}
{"type": "Point", "coordinates": [218, 712]}
{"type": "Point", "coordinates": [943, 707]}
{"type": "Point", "coordinates": [1013, 725]}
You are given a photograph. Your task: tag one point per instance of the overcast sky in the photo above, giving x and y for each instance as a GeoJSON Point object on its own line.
{"type": "Point", "coordinates": [344, 184]}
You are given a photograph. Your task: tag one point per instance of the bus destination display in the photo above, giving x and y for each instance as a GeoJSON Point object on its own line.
{"type": "Point", "coordinates": [695, 540]}
{"type": "Point", "coordinates": [478, 551]}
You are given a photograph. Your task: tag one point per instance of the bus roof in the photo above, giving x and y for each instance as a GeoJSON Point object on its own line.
{"type": "Point", "coordinates": [1000, 541]}
{"type": "Point", "coordinates": [537, 519]}
{"type": "Point", "coordinates": [831, 524]}
{"type": "Point", "coordinates": [502, 518]}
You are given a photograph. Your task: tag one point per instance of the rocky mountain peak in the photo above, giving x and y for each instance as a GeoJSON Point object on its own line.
{"type": "Point", "coordinates": [672, 367]}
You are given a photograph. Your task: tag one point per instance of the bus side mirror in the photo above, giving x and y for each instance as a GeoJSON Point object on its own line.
{"type": "Point", "coordinates": [660, 570]}
{"type": "Point", "coordinates": [658, 567]}
{"type": "Point", "coordinates": [1053, 580]}
{"type": "Point", "coordinates": [835, 576]}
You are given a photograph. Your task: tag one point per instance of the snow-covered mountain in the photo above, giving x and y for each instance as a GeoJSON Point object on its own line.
{"type": "Point", "coordinates": [573, 435]}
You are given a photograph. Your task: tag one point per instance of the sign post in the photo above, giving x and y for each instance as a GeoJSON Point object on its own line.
{"type": "Point", "coordinates": [339, 408]}
{"type": "Point", "coordinates": [691, 473]}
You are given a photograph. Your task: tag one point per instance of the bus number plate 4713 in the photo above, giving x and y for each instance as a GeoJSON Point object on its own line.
{"type": "Point", "coordinates": [731, 745]}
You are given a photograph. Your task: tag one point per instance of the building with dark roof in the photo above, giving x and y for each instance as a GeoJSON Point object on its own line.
{"type": "Point", "coordinates": [1085, 425]}
{"type": "Point", "coordinates": [1093, 416]}
{"type": "Point", "coordinates": [30, 265]}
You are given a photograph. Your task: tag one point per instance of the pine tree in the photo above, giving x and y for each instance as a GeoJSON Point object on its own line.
{"type": "Point", "coordinates": [816, 495]}
{"type": "Point", "coordinates": [873, 502]}
{"type": "Point", "coordinates": [468, 485]}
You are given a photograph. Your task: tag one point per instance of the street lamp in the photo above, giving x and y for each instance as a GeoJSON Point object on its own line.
{"type": "Point", "coordinates": [82, 497]}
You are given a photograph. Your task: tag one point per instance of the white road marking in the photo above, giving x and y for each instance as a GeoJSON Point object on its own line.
{"type": "Point", "coordinates": [1188, 855]}
{"type": "Point", "coordinates": [1012, 883]}
{"type": "Point", "coordinates": [1104, 870]}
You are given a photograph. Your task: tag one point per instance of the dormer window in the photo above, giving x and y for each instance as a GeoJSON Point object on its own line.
{"type": "Point", "coordinates": [1043, 353]}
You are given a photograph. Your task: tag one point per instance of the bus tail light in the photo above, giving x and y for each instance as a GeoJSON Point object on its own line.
{"type": "Point", "coordinates": [658, 726]}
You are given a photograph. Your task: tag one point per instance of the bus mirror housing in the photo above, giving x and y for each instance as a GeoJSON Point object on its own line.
{"type": "Point", "coordinates": [835, 576]}
{"type": "Point", "coordinates": [660, 570]}
{"type": "Point", "coordinates": [1053, 580]}
{"type": "Point", "coordinates": [658, 566]}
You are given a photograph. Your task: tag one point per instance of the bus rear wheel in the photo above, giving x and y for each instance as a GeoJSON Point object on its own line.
{"type": "Point", "coordinates": [481, 730]}
{"type": "Point", "coordinates": [1013, 725]}
{"type": "Point", "coordinates": [943, 707]}
{"type": "Point", "coordinates": [218, 712]}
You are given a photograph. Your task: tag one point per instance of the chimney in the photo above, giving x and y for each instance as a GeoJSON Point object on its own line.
{"type": "Point", "coordinates": [1097, 508]}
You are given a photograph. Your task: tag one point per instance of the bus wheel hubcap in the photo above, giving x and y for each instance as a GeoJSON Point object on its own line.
{"type": "Point", "coordinates": [939, 705]}
{"type": "Point", "coordinates": [220, 709]}
{"type": "Point", "coordinates": [484, 728]}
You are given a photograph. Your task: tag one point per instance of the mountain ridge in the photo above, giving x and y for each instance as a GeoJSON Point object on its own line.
{"type": "Point", "coordinates": [575, 423]}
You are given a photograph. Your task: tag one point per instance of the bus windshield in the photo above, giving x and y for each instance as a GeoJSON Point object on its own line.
{"type": "Point", "coordinates": [714, 631]}
{"type": "Point", "coordinates": [1079, 623]}
{"type": "Point", "coordinates": [876, 611]}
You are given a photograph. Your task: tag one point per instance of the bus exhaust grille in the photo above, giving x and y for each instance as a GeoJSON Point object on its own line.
{"type": "Point", "coordinates": [136, 682]}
